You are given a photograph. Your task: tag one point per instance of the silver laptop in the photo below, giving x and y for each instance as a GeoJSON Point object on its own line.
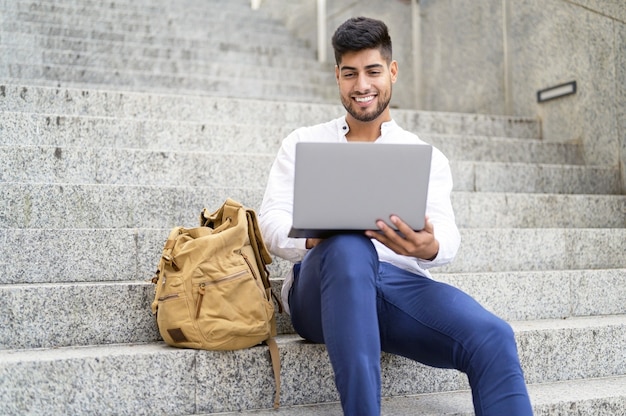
{"type": "Point", "coordinates": [347, 187]}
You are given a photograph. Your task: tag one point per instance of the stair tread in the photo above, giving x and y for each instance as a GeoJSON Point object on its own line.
{"type": "Point", "coordinates": [125, 305]}
{"type": "Point", "coordinates": [547, 398]}
{"type": "Point", "coordinates": [147, 205]}
{"type": "Point", "coordinates": [71, 164]}
{"type": "Point", "coordinates": [283, 340]}
{"type": "Point", "coordinates": [552, 350]}
{"type": "Point", "coordinates": [124, 254]}
{"type": "Point", "coordinates": [101, 100]}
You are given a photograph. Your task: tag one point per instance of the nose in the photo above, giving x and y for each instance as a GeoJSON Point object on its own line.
{"type": "Point", "coordinates": [363, 84]}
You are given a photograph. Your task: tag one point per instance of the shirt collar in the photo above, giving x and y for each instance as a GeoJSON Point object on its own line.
{"type": "Point", "coordinates": [343, 128]}
{"type": "Point", "coordinates": [388, 126]}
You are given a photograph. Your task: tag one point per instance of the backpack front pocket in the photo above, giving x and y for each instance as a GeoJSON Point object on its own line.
{"type": "Point", "coordinates": [229, 311]}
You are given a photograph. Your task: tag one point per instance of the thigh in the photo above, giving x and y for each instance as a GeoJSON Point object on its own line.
{"type": "Point", "coordinates": [334, 277]}
{"type": "Point", "coordinates": [429, 321]}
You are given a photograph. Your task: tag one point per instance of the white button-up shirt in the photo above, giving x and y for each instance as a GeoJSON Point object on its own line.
{"type": "Point", "coordinates": [275, 215]}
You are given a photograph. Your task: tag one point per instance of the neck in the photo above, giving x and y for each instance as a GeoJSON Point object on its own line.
{"type": "Point", "coordinates": [365, 131]}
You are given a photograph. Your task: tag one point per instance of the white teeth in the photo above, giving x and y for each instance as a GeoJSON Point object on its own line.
{"type": "Point", "coordinates": [364, 99]}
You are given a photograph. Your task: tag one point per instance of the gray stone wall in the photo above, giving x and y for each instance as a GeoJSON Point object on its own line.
{"type": "Point", "coordinates": [494, 55]}
{"type": "Point", "coordinates": [462, 56]}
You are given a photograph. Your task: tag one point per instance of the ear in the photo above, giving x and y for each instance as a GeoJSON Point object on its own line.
{"type": "Point", "coordinates": [393, 70]}
{"type": "Point", "coordinates": [337, 74]}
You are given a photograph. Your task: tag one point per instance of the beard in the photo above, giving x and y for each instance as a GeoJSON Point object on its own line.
{"type": "Point", "coordinates": [370, 115]}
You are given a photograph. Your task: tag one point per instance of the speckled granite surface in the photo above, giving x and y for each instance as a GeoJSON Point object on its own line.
{"type": "Point", "coordinates": [76, 101]}
{"type": "Point", "coordinates": [92, 179]}
{"type": "Point", "coordinates": [126, 206]}
{"type": "Point", "coordinates": [600, 397]}
{"type": "Point", "coordinates": [126, 255]}
{"type": "Point", "coordinates": [136, 253]}
{"type": "Point", "coordinates": [49, 315]}
{"type": "Point", "coordinates": [163, 379]}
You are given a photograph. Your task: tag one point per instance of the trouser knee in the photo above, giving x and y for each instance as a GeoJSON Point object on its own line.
{"type": "Point", "coordinates": [349, 245]}
{"type": "Point", "coordinates": [496, 343]}
{"type": "Point", "coordinates": [348, 257]}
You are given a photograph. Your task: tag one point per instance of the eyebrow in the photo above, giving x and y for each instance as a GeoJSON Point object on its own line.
{"type": "Point", "coordinates": [351, 68]}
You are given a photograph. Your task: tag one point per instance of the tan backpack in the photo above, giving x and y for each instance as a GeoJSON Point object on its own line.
{"type": "Point", "coordinates": [212, 286]}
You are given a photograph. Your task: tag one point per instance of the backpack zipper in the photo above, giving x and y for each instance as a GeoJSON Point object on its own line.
{"type": "Point", "coordinates": [249, 264]}
{"type": "Point", "coordinates": [202, 288]}
{"type": "Point", "coordinates": [167, 297]}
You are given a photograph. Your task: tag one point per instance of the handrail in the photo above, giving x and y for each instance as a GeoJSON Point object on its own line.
{"type": "Point", "coordinates": [321, 30]}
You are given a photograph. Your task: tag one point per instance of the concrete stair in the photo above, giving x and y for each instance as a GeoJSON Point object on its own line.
{"type": "Point", "coordinates": [187, 47]}
{"type": "Point", "coordinates": [118, 122]}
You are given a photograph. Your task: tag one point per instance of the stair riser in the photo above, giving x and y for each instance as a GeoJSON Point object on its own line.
{"type": "Point", "coordinates": [492, 250]}
{"type": "Point", "coordinates": [484, 149]}
{"type": "Point", "coordinates": [72, 101]}
{"type": "Point", "coordinates": [523, 210]}
{"type": "Point", "coordinates": [228, 381]}
{"type": "Point", "coordinates": [571, 398]}
{"type": "Point", "coordinates": [120, 206]}
{"type": "Point", "coordinates": [22, 62]}
{"type": "Point", "coordinates": [528, 178]}
{"type": "Point", "coordinates": [137, 167]}
{"type": "Point", "coordinates": [88, 314]}
{"type": "Point", "coordinates": [103, 206]}
{"type": "Point", "coordinates": [47, 316]}
{"type": "Point", "coordinates": [161, 34]}
{"type": "Point", "coordinates": [88, 255]}
{"type": "Point", "coordinates": [178, 16]}
{"type": "Point", "coordinates": [190, 49]}
{"type": "Point", "coordinates": [119, 166]}
{"type": "Point", "coordinates": [178, 82]}
{"type": "Point", "coordinates": [469, 124]}
{"type": "Point", "coordinates": [577, 353]}
{"type": "Point", "coordinates": [31, 129]}
{"type": "Point", "coordinates": [141, 383]}
{"type": "Point", "coordinates": [54, 130]}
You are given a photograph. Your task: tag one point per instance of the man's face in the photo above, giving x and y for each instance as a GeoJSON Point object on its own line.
{"type": "Point", "coordinates": [365, 81]}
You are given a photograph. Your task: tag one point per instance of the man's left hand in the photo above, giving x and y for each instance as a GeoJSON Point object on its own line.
{"type": "Point", "coordinates": [420, 244]}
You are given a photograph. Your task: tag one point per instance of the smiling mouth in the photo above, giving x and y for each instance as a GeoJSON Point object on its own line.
{"type": "Point", "coordinates": [365, 99]}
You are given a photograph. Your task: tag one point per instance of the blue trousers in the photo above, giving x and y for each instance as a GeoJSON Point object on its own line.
{"type": "Point", "coordinates": [344, 297]}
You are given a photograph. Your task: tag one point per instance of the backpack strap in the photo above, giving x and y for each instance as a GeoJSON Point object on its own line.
{"type": "Point", "coordinates": [264, 258]}
{"type": "Point", "coordinates": [275, 356]}
{"type": "Point", "coordinates": [166, 256]}
{"type": "Point", "coordinates": [262, 255]}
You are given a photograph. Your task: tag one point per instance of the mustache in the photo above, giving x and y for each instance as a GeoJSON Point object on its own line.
{"type": "Point", "coordinates": [363, 93]}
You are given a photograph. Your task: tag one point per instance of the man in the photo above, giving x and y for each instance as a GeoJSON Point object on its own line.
{"type": "Point", "coordinates": [363, 294]}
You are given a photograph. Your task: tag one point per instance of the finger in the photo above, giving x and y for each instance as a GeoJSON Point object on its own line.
{"type": "Point", "coordinates": [389, 232]}
{"type": "Point", "coordinates": [312, 242]}
{"type": "Point", "coordinates": [391, 238]}
{"type": "Point", "coordinates": [428, 226]}
{"type": "Point", "coordinates": [380, 234]}
{"type": "Point", "coordinates": [402, 226]}
{"type": "Point", "coordinates": [413, 239]}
